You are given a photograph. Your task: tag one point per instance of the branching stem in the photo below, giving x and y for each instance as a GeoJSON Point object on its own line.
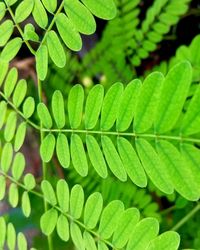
{"type": "Point", "coordinates": [186, 218]}
{"type": "Point", "coordinates": [53, 21]}
{"type": "Point", "coordinates": [44, 167]}
{"type": "Point", "coordinates": [100, 132]}
{"type": "Point", "coordinates": [39, 195]}
{"type": "Point", "coordinates": [19, 29]}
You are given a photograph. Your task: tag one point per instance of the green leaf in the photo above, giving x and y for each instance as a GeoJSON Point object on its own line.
{"type": "Point", "coordinates": [76, 236]}
{"type": "Point", "coordinates": [58, 109]}
{"type": "Point", "coordinates": [131, 162]}
{"type": "Point", "coordinates": [41, 58]}
{"type": "Point", "coordinates": [145, 231]}
{"type": "Point", "coordinates": [168, 240]}
{"type": "Point", "coordinates": [80, 16]}
{"type": "Point", "coordinates": [78, 155]}
{"type": "Point", "coordinates": [111, 105]}
{"type": "Point", "coordinates": [93, 106]}
{"type": "Point", "coordinates": [18, 166]}
{"type": "Point", "coordinates": [147, 102]}
{"type": "Point", "coordinates": [3, 111]}
{"type": "Point", "coordinates": [126, 224]}
{"type": "Point", "coordinates": [10, 127]}
{"type": "Point", "coordinates": [68, 33]}
{"type": "Point", "coordinates": [44, 115]}
{"type": "Point", "coordinates": [28, 107]}
{"type": "Point", "coordinates": [173, 95]}
{"type": "Point", "coordinates": [110, 218]}
{"type": "Point", "coordinates": [23, 10]}
{"type": "Point", "coordinates": [62, 150]}
{"type": "Point", "coordinates": [194, 48]}
{"type": "Point", "coordinates": [154, 166]}
{"type": "Point", "coordinates": [11, 49]}
{"type": "Point", "coordinates": [102, 246]}
{"type": "Point", "coordinates": [127, 106]}
{"type": "Point", "coordinates": [75, 105]}
{"type": "Point", "coordinates": [39, 14]}
{"type": "Point", "coordinates": [55, 48]}
{"type": "Point", "coordinates": [20, 93]}
{"type": "Point", "coordinates": [105, 10]}
{"type": "Point", "coordinates": [13, 195]}
{"type": "Point", "coordinates": [11, 236]}
{"type": "Point", "coordinates": [2, 13]}
{"type": "Point", "coordinates": [29, 181]}
{"type": "Point", "coordinates": [76, 201]}
{"type": "Point", "coordinates": [26, 205]}
{"type": "Point", "coordinates": [3, 70]}
{"type": "Point", "coordinates": [62, 191]}
{"type": "Point", "coordinates": [48, 221]}
{"type": "Point", "coordinates": [10, 82]}
{"type": "Point", "coordinates": [20, 136]}
{"type": "Point", "coordinates": [30, 34]}
{"type": "Point", "coordinates": [47, 147]}
{"type": "Point", "coordinates": [191, 155]}
{"type": "Point", "coordinates": [96, 156]}
{"type": "Point", "coordinates": [3, 188]}
{"type": "Point", "coordinates": [3, 232]}
{"type": "Point", "coordinates": [112, 157]}
{"type": "Point", "coordinates": [92, 211]}
{"type": "Point", "coordinates": [21, 242]}
{"type": "Point", "coordinates": [6, 30]}
{"type": "Point", "coordinates": [11, 2]}
{"type": "Point", "coordinates": [48, 192]}
{"type": "Point", "coordinates": [50, 5]}
{"type": "Point", "coordinates": [180, 175]}
{"type": "Point", "coordinates": [89, 241]}
{"type": "Point", "coordinates": [191, 120]}
{"type": "Point", "coordinates": [6, 157]}
{"type": "Point", "coordinates": [63, 227]}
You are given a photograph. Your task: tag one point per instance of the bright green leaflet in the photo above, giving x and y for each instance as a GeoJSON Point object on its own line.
{"type": "Point", "coordinates": [172, 97]}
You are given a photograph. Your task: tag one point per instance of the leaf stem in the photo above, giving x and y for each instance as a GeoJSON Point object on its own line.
{"type": "Point", "coordinates": [129, 134]}
{"type": "Point", "coordinates": [186, 218]}
{"type": "Point", "coordinates": [53, 21]}
{"type": "Point", "coordinates": [44, 166]}
{"type": "Point", "coordinates": [19, 112]}
{"type": "Point", "coordinates": [59, 210]}
{"type": "Point", "coordinates": [19, 29]}
{"type": "Point", "coordinates": [100, 132]}
{"type": "Point", "coordinates": [167, 210]}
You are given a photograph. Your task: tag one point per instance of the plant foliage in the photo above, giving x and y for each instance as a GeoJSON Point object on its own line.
{"type": "Point", "coordinates": [107, 150]}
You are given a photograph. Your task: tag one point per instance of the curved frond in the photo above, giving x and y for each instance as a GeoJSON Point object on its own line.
{"type": "Point", "coordinates": [160, 123]}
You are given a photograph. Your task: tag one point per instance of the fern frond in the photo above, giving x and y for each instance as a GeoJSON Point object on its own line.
{"type": "Point", "coordinates": [14, 95]}
{"type": "Point", "coordinates": [68, 19]}
{"type": "Point", "coordinates": [113, 189]}
{"type": "Point", "coordinates": [153, 28]}
{"type": "Point", "coordinates": [10, 238]}
{"type": "Point", "coordinates": [88, 222]}
{"type": "Point", "coordinates": [108, 220]}
{"type": "Point", "coordinates": [125, 37]}
{"type": "Point", "coordinates": [190, 53]}
{"type": "Point", "coordinates": [154, 128]}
